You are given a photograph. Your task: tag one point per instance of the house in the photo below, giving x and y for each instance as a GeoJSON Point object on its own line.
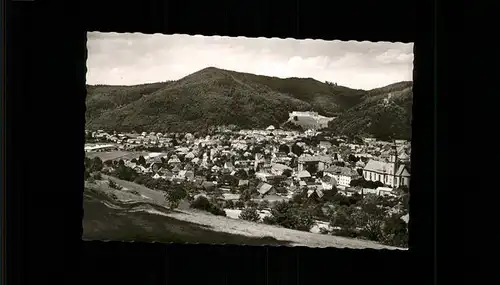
{"type": "Point", "coordinates": [385, 191]}
{"type": "Point", "coordinates": [325, 144]}
{"type": "Point", "coordinates": [384, 172]}
{"type": "Point", "coordinates": [343, 175]}
{"type": "Point", "coordinates": [262, 175]}
{"type": "Point", "coordinates": [208, 185]}
{"type": "Point", "coordinates": [229, 166]}
{"type": "Point", "coordinates": [155, 166]}
{"type": "Point", "coordinates": [174, 160]}
{"type": "Point", "coordinates": [328, 182]}
{"type": "Point", "coordinates": [318, 192]}
{"type": "Point", "coordinates": [348, 191]}
{"type": "Point", "coordinates": [319, 162]}
{"type": "Point", "coordinates": [186, 174]}
{"type": "Point", "coordinates": [176, 169]}
{"type": "Point", "coordinates": [275, 179]}
{"type": "Point", "coordinates": [242, 182]}
{"type": "Point", "coordinates": [278, 169]}
{"type": "Point", "coordinates": [406, 218]}
{"type": "Point", "coordinates": [303, 174]}
{"type": "Point", "coordinates": [190, 156]}
{"type": "Point", "coordinates": [265, 189]}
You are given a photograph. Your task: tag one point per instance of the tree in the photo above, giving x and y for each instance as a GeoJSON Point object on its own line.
{"type": "Point", "coordinates": [264, 204]}
{"type": "Point", "coordinates": [371, 219]}
{"type": "Point", "coordinates": [297, 150]}
{"type": "Point", "coordinates": [353, 158]}
{"type": "Point", "coordinates": [312, 168]}
{"type": "Point", "coordinates": [97, 176]}
{"type": "Point", "coordinates": [241, 174]}
{"type": "Point", "coordinates": [290, 216]}
{"type": "Point", "coordinates": [239, 204]}
{"type": "Point", "coordinates": [251, 204]}
{"type": "Point", "coordinates": [287, 172]}
{"type": "Point", "coordinates": [175, 195]}
{"type": "Point", "coordinates": [86, 174]}
{"type": "Point", "coordinates": [250, 214]}
{"type": "Point", "coordinates": [142, 161]}
{"type": "Point", "coordinates": [96, 164]}
{"type": "Point", "coordinates": [246, 196]}
{"type": "Point", "coordinates": [284, 148]}
{"type": "Point", "coordinates": [345, 218]}
{"type": "Point", "coordinates": [229, 204]}
{"type": "Point", "coordinates": [395, 231]}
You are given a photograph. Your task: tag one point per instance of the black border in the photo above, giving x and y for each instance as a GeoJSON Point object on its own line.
{"type": "Point", "coordinates": [46, 87]}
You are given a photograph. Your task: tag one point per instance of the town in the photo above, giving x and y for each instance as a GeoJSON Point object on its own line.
{"type": "Point", "coordinates": [303, 180]}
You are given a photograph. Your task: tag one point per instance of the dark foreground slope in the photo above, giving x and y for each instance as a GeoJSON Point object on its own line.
{"type": "Point", "coordinates": [384, 113]}
{"type": "Point", "coordinates": [101, 222]}
{"type": "Point", "coordinates": [213, 97]}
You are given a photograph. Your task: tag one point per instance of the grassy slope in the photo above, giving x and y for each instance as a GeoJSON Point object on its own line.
{"type": "Point", "coordinates": [212, 97]}
{"type": "Point", "coordinates": [104, 223]}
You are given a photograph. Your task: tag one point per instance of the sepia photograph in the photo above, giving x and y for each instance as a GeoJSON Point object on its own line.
{"type": "Point", "coordinates": [247, 141]}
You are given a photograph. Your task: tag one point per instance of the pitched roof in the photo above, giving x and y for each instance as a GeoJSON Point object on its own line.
{"type": "Point", "coordinates": [242, 182]}
{"type": "Point", "coordinates": [263, 188]}
{"type": "Point", "coordinates": [304, 174]}
{"type": "Point", "coordinates": [279, 166]}
{"type": "Point", "coordinates": [228, 164]}
{"type": "Point", "coordinates": [402, 171]}
{"type": "Point", "coordinates": [316, 158]}
{"type": "Point", "coordinates": [344, 171]}
{"type": "Point", "coordinates": [379, 166]}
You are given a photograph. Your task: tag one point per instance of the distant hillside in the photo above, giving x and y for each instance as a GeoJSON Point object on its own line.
{"type": "Point", "coordinates": [384, 113]}
{"type": "Point", "coordinates": [212, 97]}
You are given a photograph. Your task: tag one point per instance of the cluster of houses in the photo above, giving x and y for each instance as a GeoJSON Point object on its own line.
{"type": "Point", "coordinates": [268, 156]}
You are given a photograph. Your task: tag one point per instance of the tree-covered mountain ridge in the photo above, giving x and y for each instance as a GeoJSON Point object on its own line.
{"type": "Point", "coordinates": [213, 96]}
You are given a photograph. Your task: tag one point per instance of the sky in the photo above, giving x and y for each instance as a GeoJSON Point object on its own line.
{"type": "Point", "coordinates": [134, 58]}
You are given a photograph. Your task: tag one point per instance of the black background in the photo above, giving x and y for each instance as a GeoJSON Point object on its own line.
{"type": "Point", "coordinates": [45, 73]}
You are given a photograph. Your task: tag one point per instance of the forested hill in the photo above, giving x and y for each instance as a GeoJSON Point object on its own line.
{"type": "Point", "coordinates": [385, 113]}
{"type": "Point", "coordinates": [212, 97]}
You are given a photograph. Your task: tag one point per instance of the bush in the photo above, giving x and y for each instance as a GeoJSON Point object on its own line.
{"type": "Point", "coordinates": [216, 210]}
{"type": "Point", "coordinates": [269, 220]}
{"type": "Point", "coordinates": [86, 174]}
{"type": "Point", "coordinates": [113, 185]}
{"type": "Point", "coordinates": [175, 195]}
{"type": "Point", "coordinates": [229, 204]}
{"type": "Point", "coordinates": [252, 204]}
{"type": "Point", "coordinates": [97, 176]}
{"type": "Point", "coordinates": [239, 204]}
{"type": "Point", "coordinates": [291, 216]}
{"type": "Point", "coordinates": [250, 214]}
{"type": "Point", "coordinates": [202, 203]}
{"type": "Point", "coordinates": [264, 204]}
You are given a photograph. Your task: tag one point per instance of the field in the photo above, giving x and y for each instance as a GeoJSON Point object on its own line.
{"type": "Point", "coordinates": [143, 217]}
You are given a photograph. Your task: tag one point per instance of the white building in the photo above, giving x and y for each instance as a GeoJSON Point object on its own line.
{"type": "Point", "coordinates": [343, 175]}
{"type": "Point", "coordinates": [384, 172]}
